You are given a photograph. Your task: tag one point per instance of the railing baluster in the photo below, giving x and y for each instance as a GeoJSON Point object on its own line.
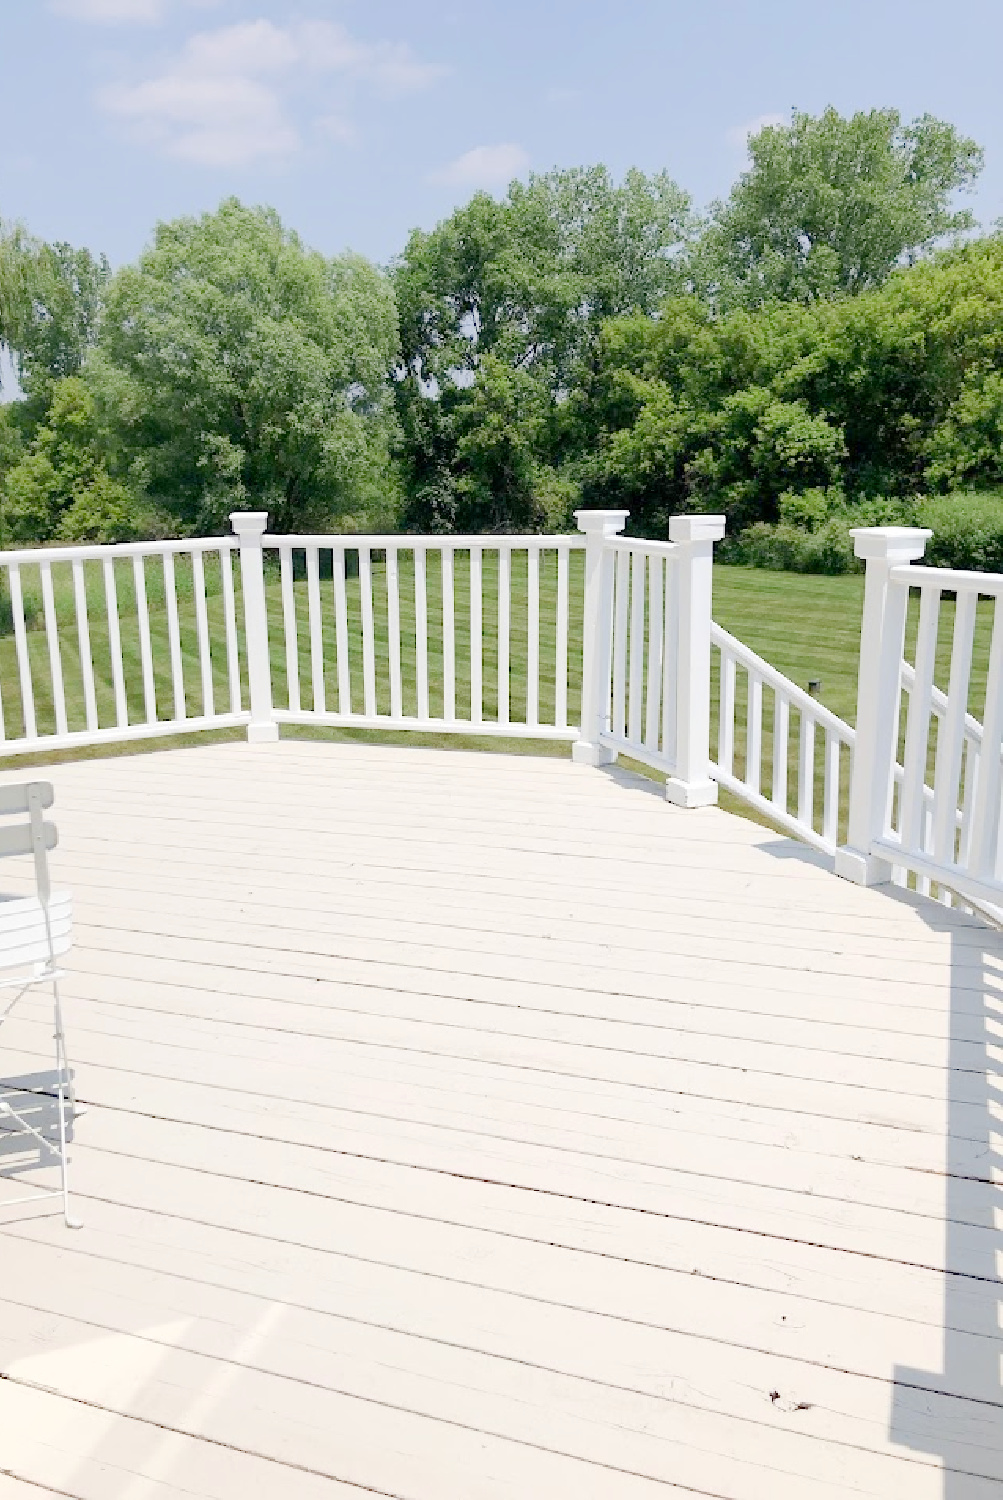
{"type": "Point", "coordinates": [781, 740]}
{"type": "Point", "coordinates": [504, 618]}
{"type": "Point", "coordinates": [145, 649]}
{"type": "Point", "coordinates": [618, 712]}
{"type": "Point", "coordinates": [726, 719]}
{"type": "Point", "coordinates": [754, 735]}
{"type": "Point", "coordinates": [476, 638]}
{"type": "Point", "coordinates": [52, 638]}
{"type": "Point", "coordinates": [394, 632]}
{"type": "Point", "coordinates": [561, 647]}
{"type": "Point", "coordinates": [316, 630]}
{"type": "Point", "coordinates": [368, 643]}
{"type": "Point", "coordinates": [950, 740]}
{"type": "Point", "coordinates": [23, 658]}
{"type": "Point", "coordinates": [421, 630]}
{"type": "Point", "coordinates": [653, 696]}
{"type": "Point", "coordinates": [84, 643]}
{"type": "Point", "coordinates": [923, 882]}
{"type": "Point", "coordinates": [806, 771]}
{"type": "Point", "coordinates": [115, 643]}
{"type": "Point", "coordinates": [984, 858]}
{"type": "Point", "coordinates": [917, 736]}
{"type": "Point", "coordinates": [341, 630]}
{"type": "Point", "coordinates": [289, 629]}
{"type": "Point", "coordinates": [830, 801]}
{"type": "Point", "coordinates": [448, 636]}
{"type": "Point", "coordinates": [230, 626]}
{"type": "Point", "coordinates": [533, 634]}
{"type": "Point", "coordinates": [202, 632]}
{"type": "Point", "coordinates": [174, 638]}
{"type": "Point", "coordinates": [971, 775]}
{"type": "Point", "coordinates": [670, 653]}
{"type": "Point", "coordinates": [636, 646]}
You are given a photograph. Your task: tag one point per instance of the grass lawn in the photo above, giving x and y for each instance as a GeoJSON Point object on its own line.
{"type": "Point", "coordinates": [806, 626]}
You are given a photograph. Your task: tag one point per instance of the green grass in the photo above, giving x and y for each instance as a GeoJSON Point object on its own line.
{"type": "Point", "coordinates": [806, 626]}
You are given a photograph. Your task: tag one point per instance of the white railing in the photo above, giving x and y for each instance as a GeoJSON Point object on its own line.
{"type": "Point", "coordinates": [120, 642]}
{"type": "Point", "coordinates": [646, 658]}
{"type": "Point", "coordinates": [425, 640]}
{"type": "Point", "coordinates": [645, 643]}
{"type": "Point", "coordinates": [597, 639]}
{"type": "Point", "coordinates": [932, 811]}
{"type": "Point", "coordinates": [779, 731]}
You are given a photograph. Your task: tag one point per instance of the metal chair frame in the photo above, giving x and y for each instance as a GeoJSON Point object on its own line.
{"type": "Point", "coordinates": [36, 837]}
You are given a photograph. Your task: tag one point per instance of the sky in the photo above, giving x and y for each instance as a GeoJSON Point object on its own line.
{"type": "Point", "coordinates": [360, 121]}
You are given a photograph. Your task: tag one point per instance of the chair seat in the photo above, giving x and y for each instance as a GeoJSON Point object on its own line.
{"type": "Point", "coordinates": [22, 928]}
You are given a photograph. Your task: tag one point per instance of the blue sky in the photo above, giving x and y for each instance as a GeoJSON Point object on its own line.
{"type": "Point", "coordinates": [360, 121]}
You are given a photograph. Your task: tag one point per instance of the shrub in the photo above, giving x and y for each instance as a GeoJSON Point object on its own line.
{"type": "Point", "coordinates": [967, 530]}
{"type": "Point", "coordinates": [792, 549]}
{"type": "Point", "coordinates": [813, 533]}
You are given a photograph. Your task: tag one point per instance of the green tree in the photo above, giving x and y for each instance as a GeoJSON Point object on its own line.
{"type": "Point", "coordinates": [831, 206]}
{"type": "Point", "coordinates": [17, 258]}
{"type": "Point", "coordinates": [60, 488]}
{"type": "Point", "coordinates": [242, 368]}
{"type": "Point", "coordinates": [533, 277]}
{"type": "Point", "coordinates": [523, 284]}
{"type": "Point", "coordinates": [50, 307]}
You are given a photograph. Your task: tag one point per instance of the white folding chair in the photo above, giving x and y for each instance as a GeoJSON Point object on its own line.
{"type": "Point", "coordinates": [34, 930]}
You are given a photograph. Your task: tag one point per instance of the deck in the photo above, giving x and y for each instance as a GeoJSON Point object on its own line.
{"type": "Point", "coordinates": [464, 1125]}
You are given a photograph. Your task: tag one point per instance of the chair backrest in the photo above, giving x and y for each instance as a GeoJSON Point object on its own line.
{"type": "Point", "coordinates": [37, 835]}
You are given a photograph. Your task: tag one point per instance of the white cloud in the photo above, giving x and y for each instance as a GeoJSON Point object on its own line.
{"type": "Point", "coordinates": [739, 135]}
{"type": "Point", "coordinates": [223, 101]}
{"type": "Point", "coordinates": [109, 12]}
{"type": "Point", "coordinates": [484, 167]}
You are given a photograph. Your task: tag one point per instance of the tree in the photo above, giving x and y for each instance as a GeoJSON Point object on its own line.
{"type": "Point", "coordinates": [532, 278]}
{"type": "Point", "coordinates": [50, 305]}
{"type": "Point", "coordinates": [830, 206]}
{"type": "Point", "coordinates": [242, 368]}
{"type": "Point", "coordinates": [17, 255]}
{"type": "Point", "coordinates": [60, 488]}
{"type": "Point", "coordinates": [525, 284]}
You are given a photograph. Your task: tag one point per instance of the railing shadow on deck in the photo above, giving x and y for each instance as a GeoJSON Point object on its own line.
{"type": "Point", "coordinates": [956, 1412]}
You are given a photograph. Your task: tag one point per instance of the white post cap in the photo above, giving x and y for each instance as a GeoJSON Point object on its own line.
{"type": "Point", "coordinates": [892, 543]}
{"type": "Point", "coordinates": [248, 522]}
{"type": "Point", "coordinates": [696, 528]}
{"type": "Point", "coordinates": [606, 521]}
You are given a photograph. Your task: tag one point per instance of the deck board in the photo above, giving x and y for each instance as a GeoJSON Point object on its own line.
{"type": "Point", "coordinates": [466, 1125]}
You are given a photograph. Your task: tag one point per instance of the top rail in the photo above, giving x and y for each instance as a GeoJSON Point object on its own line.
{"type": "Point", "coordinates": [769, 675]}
{"type": "Point", "coordinates": [92, 551]}
{"type": "Point", "coordinates": [630, 544]}
{"type": "Point", "coordinates": [948, 579]}
{"type": "Point", "coordinates": [433, 543]}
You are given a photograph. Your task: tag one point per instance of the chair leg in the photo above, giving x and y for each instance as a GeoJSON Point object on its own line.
{"type": "Point", "coordinates": [66, 1100]}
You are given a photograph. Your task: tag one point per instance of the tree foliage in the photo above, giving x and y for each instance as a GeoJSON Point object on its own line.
{"type": "Point", "coordinates": [830, 206]}
{"type": "Point", "coordinates": [60, 487]}
{"type": "Point", "coordinates": [825, 344]}
{"type": "Point", "coordinates": [50, 307]}
{"type": "Point", "coordinates": [242, 368]}
{"type": "Point", "coordinates": [501, 309]}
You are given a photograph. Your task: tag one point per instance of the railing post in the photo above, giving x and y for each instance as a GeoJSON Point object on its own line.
{"type": "Point", "coordinates": [879, 678]}
{"type": "Point", "coordinates": [598, 526]}
{"type": "Point", "coordinates": [249, 527]}
{"type": "Point", "coordinates": [694, 536]}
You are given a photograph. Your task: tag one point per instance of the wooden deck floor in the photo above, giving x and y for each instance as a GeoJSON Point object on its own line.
{"type": "Point", "coordinates": [470, 1126]}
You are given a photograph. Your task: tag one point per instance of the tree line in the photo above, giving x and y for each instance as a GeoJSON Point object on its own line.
{"type": "Point", "coordinates": [823, 345]}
